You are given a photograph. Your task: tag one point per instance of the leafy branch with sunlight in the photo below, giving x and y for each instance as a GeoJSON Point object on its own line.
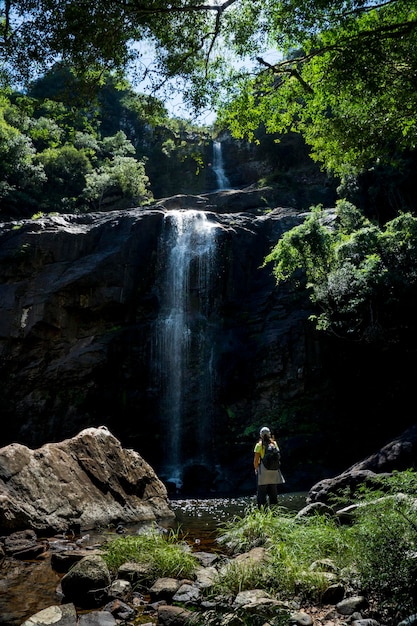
{"type": "Point", "coordinates": [361, 276]}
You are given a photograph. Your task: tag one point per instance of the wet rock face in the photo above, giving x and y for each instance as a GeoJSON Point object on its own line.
{"type": "Point", "coordinates": [78, 311]}
{"type": "Point", "coordinates": [68, 287]}
{"type": "Point", "coordinates": [83, 482]}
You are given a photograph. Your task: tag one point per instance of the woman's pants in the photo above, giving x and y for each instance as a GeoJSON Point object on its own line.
{"type": "Point", "coordinates": [265, 491]}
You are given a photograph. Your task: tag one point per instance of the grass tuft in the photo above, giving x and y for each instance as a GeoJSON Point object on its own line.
{"type": "Point", "coordinates": [163, 555]}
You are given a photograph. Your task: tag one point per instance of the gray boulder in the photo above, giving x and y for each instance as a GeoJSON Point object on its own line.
{"type": "Point", "coordinates": [87, 582]}
{"type": "Point", "coordinates": [86, 481]}
{"type": "Point", "coordinates": [399, 454]}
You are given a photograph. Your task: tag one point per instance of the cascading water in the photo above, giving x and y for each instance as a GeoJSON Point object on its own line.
{"type": "Point", "coordinates": [183, 354]}
{"type": "Point", "coordinates": [218, 167]}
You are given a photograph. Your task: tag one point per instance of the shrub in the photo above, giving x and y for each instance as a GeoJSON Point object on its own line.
{"type": "Point", "coordinates": [293, 547]}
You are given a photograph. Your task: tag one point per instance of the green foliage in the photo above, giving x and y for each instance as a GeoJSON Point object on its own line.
{"type": "Point", "coordinates": [20, 175]}
{"type": "Point", "coordinates": [363, 277]}
{"type": "Point", "coordinates": [104, 152]}
{"type": "Point", "coordinates": [163, 555]}
{"type": "Point", "coordinates": [297, 553]}
{"type": "Point", "coordinates": [65, 168]}
{"type": "Point", "coordinates": [120, 181]}
{"type": "Point", "coordinates": [376, 552]}
{"type": "Point", "coordinates": [342, 74]}
{"type": "Point", "coordinates": [344, 79]}
{"type": "Point", "coordinates": [307, 247]}
{"type": "Point", "coordinates": [404, 482]}
{"type": "Point", "coordinates": [385, 537]}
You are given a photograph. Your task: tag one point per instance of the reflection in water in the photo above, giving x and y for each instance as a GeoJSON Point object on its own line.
{"type": "Point", "coordinates": [29, 587]}
{"type": "Point", "coordinates": [199, 520]}
{"type": "Point", "coordinates": [26, 588]}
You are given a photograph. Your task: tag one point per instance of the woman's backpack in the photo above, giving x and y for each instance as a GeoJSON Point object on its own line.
{"type": "Point", "coordinates": [272, 457]}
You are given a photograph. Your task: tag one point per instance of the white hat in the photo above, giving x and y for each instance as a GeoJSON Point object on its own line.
{"type": "Point", "coordinates": [264, 431]}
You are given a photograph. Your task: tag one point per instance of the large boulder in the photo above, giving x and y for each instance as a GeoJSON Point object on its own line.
{"type": "Point", "coordinates": [87, 481]}
{"type": "Point", "coordinates": [87, 582]}
{"type": "Point", "coordinates": [399, 454]}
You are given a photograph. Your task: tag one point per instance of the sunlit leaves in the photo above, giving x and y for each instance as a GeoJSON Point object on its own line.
{"type": "Point", "coordinates": [344, 74]}
{"type": "Point", "coordinates": [121, 178]}
{"type": "Point", "coordinates": [307, 247]}
{"type": "Point", "coordinates": [361, 276]}
{"type": "Point", "coordinates": [350, 89]}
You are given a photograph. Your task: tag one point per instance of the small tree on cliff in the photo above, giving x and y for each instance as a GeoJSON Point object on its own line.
{"type": "Point", "coordinates": [362, 277]}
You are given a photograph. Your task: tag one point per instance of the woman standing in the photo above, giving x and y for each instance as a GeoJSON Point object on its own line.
{"type": "Point", "coordinates": [267, 479]}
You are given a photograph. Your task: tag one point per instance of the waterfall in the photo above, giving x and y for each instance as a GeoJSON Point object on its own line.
{"type": "Point", "coordinates": [183, 354]}
{"type": "Point", "coordinates": [218, 168]}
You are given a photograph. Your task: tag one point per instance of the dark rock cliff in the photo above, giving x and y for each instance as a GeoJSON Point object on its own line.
{"type": "Point", "coordinates": [80, 298]}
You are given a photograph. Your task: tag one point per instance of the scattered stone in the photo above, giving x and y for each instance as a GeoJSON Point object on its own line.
{"type": "Point", "coordinates": [267, 608]}
{"type": "Point", "coordinates": [62, 561]}
{"type": "Point", "coordinates": [164, 589]}
{"type": "Point", "coordinates": [121, 589]}
{"type": "Point", "coordinates": [64, 615]}
{"type": "Point", "coordinates": [169, 615]}
{"type": "Point", "coordinates": [333, 594]}
{"type": "Point", "coordinates": [205, 577]}
{"type": "Point", "coordinates": [206, 558]}
{"type": "Point", "coordinates": [315, 508]}
{"type": "Point", "coordinates": [24, 545]}
{"type": "Point", "coordinates": [250, 596]}
{"type": "Point", "coordinates": [301, 619]}
{"type": "Point", "coordinates": [86, 582]}
{"type": "Point", "coordinates": [133, 572]}
{"type": "Point", "coordinates": [323, 565]}
{"type": "Point", "coordinates": [330, 616]}
{"type": "Point", "coordinates": [97, 618]}
{"type": "Point", "coordinates": [257, 555]}
{"type": "Point", "coordinates": [348, 606]}
{"type": "Point", "coordinates": [120, 610]}
{"type": "Point", "coordinates": [187, 594]}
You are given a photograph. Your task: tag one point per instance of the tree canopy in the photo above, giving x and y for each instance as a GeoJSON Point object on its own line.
{"type": "Point", "coordinates": [114, 151]}
{"type": "Point", "coordinates": [343, 73]}
{"type": "Point", "coordinates": [347, 81]}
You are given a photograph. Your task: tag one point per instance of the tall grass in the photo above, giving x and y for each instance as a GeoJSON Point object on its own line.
{"type": "Point", "coordinates": [376, 554]}
{"type": "Point", "coordinates": [298, 554]}
{"type": "Point", "coordinates": [161, 555]}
